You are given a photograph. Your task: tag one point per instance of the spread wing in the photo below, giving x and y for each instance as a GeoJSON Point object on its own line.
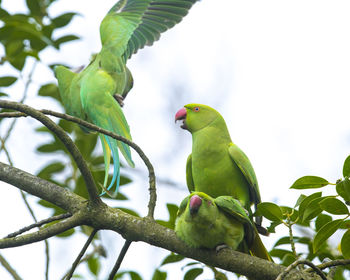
{"type": "Point", "coordinates": [148, 18]}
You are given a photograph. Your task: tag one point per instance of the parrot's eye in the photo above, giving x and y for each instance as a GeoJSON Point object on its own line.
{"type": "Point", "coordinates": [196, 109]}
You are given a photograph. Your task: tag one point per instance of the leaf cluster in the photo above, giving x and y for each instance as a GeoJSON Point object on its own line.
{"type": "Point", "coordinates": [324, 215]}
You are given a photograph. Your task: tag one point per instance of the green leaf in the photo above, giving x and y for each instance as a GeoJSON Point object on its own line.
{"type": "Point", "coordinates": [49, 148]}
{"type": "Point", "coordinates": [300, 199]}
{"type": "Point", "coordinates": [134, 275]}
{"type": "Point", "coordinates": [334, 206]}
{"type": "Point", "coordinates": [309, 182]}
{"type": "Point", "coordinates": [172, 209]}
{"type": "Point", "coordinates": [279, 253]}
{"type": "Point", "coordinates": [272, 227]}
{"type": "Point", "coordinates": [34, 7]}
{"type": "Point", "coordinates": [345, 225]}
{"type": "Point", "coordinates": [65, 39]}
{"type": "Point", "coordinates": [50, 90]}
{"type": "Point", "coordinates": [47, 172]}
{"type": "Point", "coordinates": [2, 94]}
{"type": "Point", "coordinates": [63, 20]}
{"type": "Point", "coordinates": [321, 220]}
{"type": "Point", "coordinates": [288, 259]}
{"type": "Point", "coordinates": [343, 189]}
{"type": "Point", "coordinates": [159, 275]}
{"type": "Point", "coordinates": [6, 81]}
{"type": "Point", "coordinates": [346, 167]}
{"type": "Point", "coordinates": [345, 244]}
{"type": "Point", "coordinates": [305, 202]}
{"type": "Point", "coordinates": [193, 273]}
{"type": "Point", "coordinates": [325, 232]}
{"type": "Point", "coordinates": [172, 258]}
{"type": "Point", "coordinates": [312, 209]}
{"type": "Point", "coordinates": [94, 265]}
{"type": "Point", "coordinates": [270, 211]}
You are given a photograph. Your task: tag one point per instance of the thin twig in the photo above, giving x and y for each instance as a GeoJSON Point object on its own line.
{"type": "Point", "coordinates": [296, 263]}
{"type": "Point", "coordinates": [151, 173]}
{"type": "Point", "coordinates": [9, 268]}
{"type": "Point", "coordinates": [81, 254]}
{"type": "Point", "coordinates": [66, 140]}
{"type": "Point", "coordinates": [330, 264]}
{"type": "Point", "coordinates": [120, 259]}
{"type": "Point", "coordinates": [42, 233]}
{"type": "Point", "coordinates": [39, 224]}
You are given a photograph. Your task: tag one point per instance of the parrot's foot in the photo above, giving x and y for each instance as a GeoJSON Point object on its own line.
{"type": "Point", "coordinates": [119, 98]}
{"type": "Point", "coordinates": [262, 230]}
{"type": "Point", "coordinates": [220, 247]}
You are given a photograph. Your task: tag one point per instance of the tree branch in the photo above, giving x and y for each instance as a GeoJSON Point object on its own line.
{"type": "Point", "coordinates": [39, 224]}
{"type": "Point", "coordinates": [295, 264]}
{"type": "Point", "coordinates": [61, 134]}
{"type": "Point", "coordinates": [81, 254]}
{"type": "Point", "coordinates": [9, 268]}
{"type": "Point", "coordinates": [100, 216]}
{"type": "Point", "coordinates": [43, 233]}
{"type": "Point", "coordinates": [331, 264]}
{"type": "Point", "coordinates": [119, 260]}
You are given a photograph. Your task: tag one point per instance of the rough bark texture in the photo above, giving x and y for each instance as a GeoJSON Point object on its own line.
{"type": "Point", "coordinates": [101, 216]}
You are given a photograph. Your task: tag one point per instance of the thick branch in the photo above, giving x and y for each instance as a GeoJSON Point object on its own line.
{"type": "Point", "coordinates": [61, 134]}
{"type": "Point", "coordinates": [100, 216]}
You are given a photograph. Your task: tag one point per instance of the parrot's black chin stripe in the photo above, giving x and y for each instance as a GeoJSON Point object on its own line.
{"type": "Point", "coordinates": [184, 126]}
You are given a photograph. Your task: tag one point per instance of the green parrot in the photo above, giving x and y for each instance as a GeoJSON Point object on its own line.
{"type": "Point", "coordinates": [205, 222]}
{"type": "Point", "coordinates": [217, 166]}
{"type": "Point", "coordinates": [93, 94]}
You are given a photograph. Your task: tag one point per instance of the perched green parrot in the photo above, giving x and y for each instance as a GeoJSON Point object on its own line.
{"type": "Point", "coordinates": [203, 221]}
{"type": "Point", "coordinates": [217, 166]}
{"type": "Point", "coordinates": [94, 93]}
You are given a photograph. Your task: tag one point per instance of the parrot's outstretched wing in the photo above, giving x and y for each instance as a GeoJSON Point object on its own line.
{"type": "Point", "coordinates": [148, 19]}
{"type": "Point", "coordinates": [242, 161]}
{"type": "Point", "coordinates": [234, 208]}
{"type": "Point", "coordinates": [189, 178]}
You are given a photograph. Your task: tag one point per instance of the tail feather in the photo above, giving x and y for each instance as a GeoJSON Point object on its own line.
{"type": "Point", "coordinates": [122, 130]}
{"type": "Point", "coordinates": [109, 145]}
{"type": "Point", "coordinates": [258, 249]}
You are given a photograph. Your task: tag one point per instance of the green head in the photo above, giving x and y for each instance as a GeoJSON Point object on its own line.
{"type": "Point", "coordinates": [196, 116]}
{"type": "Point", "coordinates": [198, 206]}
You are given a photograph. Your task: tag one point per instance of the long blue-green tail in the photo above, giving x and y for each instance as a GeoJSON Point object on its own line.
{"type": "Point", "coordinates": [109, 146]}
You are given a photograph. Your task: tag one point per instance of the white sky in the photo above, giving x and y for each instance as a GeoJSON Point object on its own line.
{"type": "Point", "coordinates": [278, 71]}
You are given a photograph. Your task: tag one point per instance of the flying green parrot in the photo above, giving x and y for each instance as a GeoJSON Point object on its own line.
{"type": "Point", "coordinates": [203, 221]}
{"type": "Point", "coordinates": [94, 93]}
{"type": "Point", "coordinates": [217, 166]}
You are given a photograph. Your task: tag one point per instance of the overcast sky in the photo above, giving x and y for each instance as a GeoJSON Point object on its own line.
{"type": "Point", "coordinates": [278, 71]}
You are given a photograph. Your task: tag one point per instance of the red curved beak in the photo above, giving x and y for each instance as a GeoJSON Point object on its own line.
{"type": "Point", "coordinates": [181, 114]}
{"type": "Point", "coordinates": [195, 203]}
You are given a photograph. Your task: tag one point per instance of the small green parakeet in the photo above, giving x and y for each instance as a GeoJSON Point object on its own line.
{"type": "Point", "coordinates": [94, 93]}
{"type": "Point", "coordinates": [216, 165]}
{"type": "Point", "coordinates": [205, 222]}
